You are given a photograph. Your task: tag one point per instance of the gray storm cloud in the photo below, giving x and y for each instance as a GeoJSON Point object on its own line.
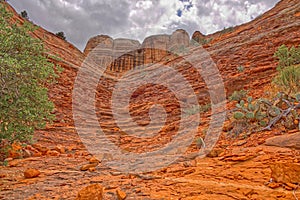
{"type": "Point", "coordinates": [82, 19]}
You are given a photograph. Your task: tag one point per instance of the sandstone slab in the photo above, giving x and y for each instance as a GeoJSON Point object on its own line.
{"type": "Point", "coordinates": [289, 141]}
{"type": "Point", "coordinates": [91, 192]}
{"type": "Point", "coordinates": [121, 195]}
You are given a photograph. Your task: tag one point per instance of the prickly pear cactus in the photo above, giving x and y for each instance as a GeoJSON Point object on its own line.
{"type": "Point", "coordinates": [262, 114]}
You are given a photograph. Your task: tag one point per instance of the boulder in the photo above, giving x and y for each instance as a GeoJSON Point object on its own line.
{"type": "Point", "coordinates": [91, 192]}
{"type": "Point", "coordinates": [288, 141]}
{"type": "Point", "coordinates": [31, 173]}
{"type": "Point", "coordinates": [88, 166]}
{"type": "Point", "coordinates": [121, 195]}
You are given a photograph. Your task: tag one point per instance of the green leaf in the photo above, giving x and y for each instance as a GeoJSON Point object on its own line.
{"type": "Point", "coordinates": [238, 115]}
{"type": "Point", "coordinates": [263, 123]}
{"type": "Point", "coordinates": [242, 103]}
{"type": "Point", "coordinates": [249, 99]}
{"type": "Point", "coordinates": [250, 115]}
{"type": "Point", "coordinates": [298, 97]}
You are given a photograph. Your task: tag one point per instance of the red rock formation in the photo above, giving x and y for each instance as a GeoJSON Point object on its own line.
{"type": "Point", "coordinates": [94, 41]}
{"type": "Point", "coordinates": [240, 175]}
{"type": "Point", "coordinates": [125, 54]}
{"type": "Point", "coordinates": [251, 45]}
{"type": "Point", "coordinates": [198, 37]}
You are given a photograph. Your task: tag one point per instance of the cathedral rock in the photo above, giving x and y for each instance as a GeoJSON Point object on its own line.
{"type": "Point", "coordinates": [125, 54]}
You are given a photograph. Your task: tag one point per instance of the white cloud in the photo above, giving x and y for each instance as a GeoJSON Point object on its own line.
{"type": "Point", "coordinates": [82, 19]}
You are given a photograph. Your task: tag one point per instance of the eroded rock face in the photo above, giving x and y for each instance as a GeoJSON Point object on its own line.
{"type": "Point", "coordinates": [105, 40]}
{"type": "Point", "coordinates": [198, 36]}
{"type": "Point", "coordinates": [154, 48]}
{"type": "Point", "coordinates": [251, 45]}
{"type": "Point", "coordinates": [286, 172]}
{"type": "Point", "coordinates": [179, 38]}
{"type": "Point", "coordinates": [122, 55]}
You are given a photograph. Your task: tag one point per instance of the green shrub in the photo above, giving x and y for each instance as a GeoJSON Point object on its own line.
{"type": "Point", "coordinates": [24, 73]}
{"type": "Point", "coordinates": [287, 57]}
{"type": "Point", "coordinates": [288, 79]}
{"type": "Point", "coordinates": [204, 41]}
{"type": "Point", "coordinates": [202, 108]}
{"type": "Point", "coordinates": [61, 35]}
{"type": "Point", "coordinates": [240, 69]}
{"type": "Point", "coordinates": [238, 95]}
{"type": "Point", "coordinates": [200, 142]}
{"type": "Point", "coordinates": [24, 14]}
{"type": "Point", "coordinates": [5, 163]}
{"type": "Point", "coordinates": [227, 30]}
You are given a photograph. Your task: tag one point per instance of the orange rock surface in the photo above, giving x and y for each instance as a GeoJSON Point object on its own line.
{"type": "Point", "coordinates": [238, 168]}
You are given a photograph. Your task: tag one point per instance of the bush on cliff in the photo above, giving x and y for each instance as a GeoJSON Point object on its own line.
{"type": "Point", "coordinates": [288, 78]}
{"type": "Point", "coordinates": [24, 73]}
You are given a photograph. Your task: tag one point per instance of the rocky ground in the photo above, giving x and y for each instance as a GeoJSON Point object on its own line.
{"type": "Point", "coordinates": [235, 172]}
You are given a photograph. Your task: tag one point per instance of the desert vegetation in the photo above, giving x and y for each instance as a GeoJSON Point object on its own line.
{"type": "Point", "coordinates": [281, 108]}
{"type": "Point", "coordinates": [24, 74]}
{"type": "Point", "coordinates": [61, 35]}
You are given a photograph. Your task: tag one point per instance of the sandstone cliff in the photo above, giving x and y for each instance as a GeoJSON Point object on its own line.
{"type": "Point", "coordinates": [235, 170]}
{"type": "Point", "coordinates": [127, 54]}
{"type": "Point", "coordinates": [250, 45]}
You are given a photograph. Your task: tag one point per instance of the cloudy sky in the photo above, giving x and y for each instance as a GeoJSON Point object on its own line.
{"type": "Point", "coordinates": [136, 19]}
